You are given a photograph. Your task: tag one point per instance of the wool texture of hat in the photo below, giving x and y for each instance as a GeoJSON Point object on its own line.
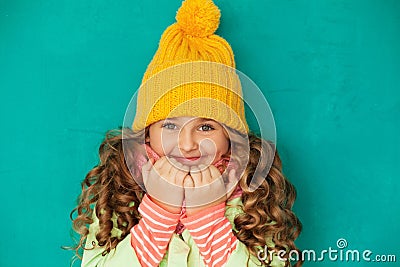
{"type": "Point", "coordinates": [192, 73]}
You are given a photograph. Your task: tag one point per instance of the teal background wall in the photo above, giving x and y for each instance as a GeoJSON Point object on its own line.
{"type": "Point", "coordinates": [329, 69]}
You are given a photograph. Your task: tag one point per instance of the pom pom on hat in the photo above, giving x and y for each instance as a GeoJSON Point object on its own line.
{"type": "Point", "coordinates": [199, 18]}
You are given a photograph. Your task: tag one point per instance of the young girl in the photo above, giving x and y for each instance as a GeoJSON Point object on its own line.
{"type": "Point", "coordinates": [178, 188]}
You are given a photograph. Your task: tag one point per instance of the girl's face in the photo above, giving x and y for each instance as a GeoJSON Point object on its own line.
{"type": "Point", "coordinates": [190, 140]}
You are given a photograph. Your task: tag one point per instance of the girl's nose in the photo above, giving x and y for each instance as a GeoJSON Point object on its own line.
{"type": "Point", "coordinates": [187, 141]}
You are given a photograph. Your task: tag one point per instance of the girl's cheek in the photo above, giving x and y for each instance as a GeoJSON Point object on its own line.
{"type": "Point", "coordinates": [168, 145]}
{"type": "Point", "coordinates": [208, 148]}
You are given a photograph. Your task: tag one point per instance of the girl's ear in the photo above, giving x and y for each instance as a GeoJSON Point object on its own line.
{"type": "Point", "coordinates": [147, 136]}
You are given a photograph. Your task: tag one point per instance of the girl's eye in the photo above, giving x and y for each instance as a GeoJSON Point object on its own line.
{"type": "Point", "coordinates": [169, 126]}
{"type": "Point", "coordinates": [206, 127]}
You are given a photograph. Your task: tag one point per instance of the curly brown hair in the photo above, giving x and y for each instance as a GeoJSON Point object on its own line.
{"type": "Point", "coordinates": [268, 208]}
{"type": "Point", "coordinates": [110, 189]}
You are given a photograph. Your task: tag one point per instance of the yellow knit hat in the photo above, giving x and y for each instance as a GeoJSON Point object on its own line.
{"type": "Point", "coordinates": [192, 73]}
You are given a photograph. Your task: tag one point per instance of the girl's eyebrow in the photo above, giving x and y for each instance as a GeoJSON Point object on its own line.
{"type": "Point", "coordinates": [169, 120]}
{"type": "Point", "coordinates": [175, 121]}
{"type": "Point", "coordinates": [204, 120]}
{"type": "Point", "coordinates": [197, 120]}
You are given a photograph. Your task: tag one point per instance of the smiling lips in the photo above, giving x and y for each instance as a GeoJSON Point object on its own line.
{"type": "Point", "coordinates": [184, 159]}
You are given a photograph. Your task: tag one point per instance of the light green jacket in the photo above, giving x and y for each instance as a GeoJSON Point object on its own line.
{"type": "Point", "coordinates": [181, 251]}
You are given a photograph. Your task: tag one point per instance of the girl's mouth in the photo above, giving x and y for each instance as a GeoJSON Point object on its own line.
{"type": "Point", "coordinates": [185, 160]}
{"type": "Point", "coordinates": [192, 161]}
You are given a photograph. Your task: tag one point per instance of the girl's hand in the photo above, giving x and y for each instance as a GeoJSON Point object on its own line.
{"type": "Point", "coordinates": [163, 181]}
{"type": "Point", "coordinates": [206, 187]}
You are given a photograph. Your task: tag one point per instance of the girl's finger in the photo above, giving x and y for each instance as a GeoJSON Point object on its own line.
{"type": "Point", "coordinates": [188, 181]}
{"type": "Point", "coordinates": [206, 174]}
{"type": "Point", "coordinates": [173, 174]}
{"type": "Point", "coordinates": [195, 173]}
{"type": "Point", "coordinates": [159, 163]}
{"type": "Point", "coordinates": [178, 171]}
{"type": "Point", "coordinates": [214, 172]}
{"type": "Point", "coordinates": [180, 178]}
{"type": "Point", "coordinates": [164, 169]}
{"type": "Point", "coordinates": [146, 169]}
{"type": "Point", "coordinates": [179, 165]}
